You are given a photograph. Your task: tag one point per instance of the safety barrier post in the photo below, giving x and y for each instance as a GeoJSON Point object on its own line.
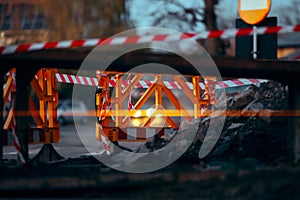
{"type": "Point", "coordinates": [9, 98]}
{"type": "Point", "coordinates": [196, 92]}
{"type": "Point", "coordinates": [1, 120]}
{"type": "Point", "coordinates": [46, 119]}
{"type": "Point", "coordinates": [41, 81]}
{"type": "Point", "coordinates": [118, 104]}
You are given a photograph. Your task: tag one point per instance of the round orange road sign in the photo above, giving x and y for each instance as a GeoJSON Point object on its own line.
{"type": "Point", "coordinates": [254, 11]}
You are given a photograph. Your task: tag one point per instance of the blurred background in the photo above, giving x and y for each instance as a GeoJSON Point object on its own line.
{"type": "Point", "coordinates": [30, 21]}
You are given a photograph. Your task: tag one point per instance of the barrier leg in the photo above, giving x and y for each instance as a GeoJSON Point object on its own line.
{"type": "Point", "coordinates": [47, 154]}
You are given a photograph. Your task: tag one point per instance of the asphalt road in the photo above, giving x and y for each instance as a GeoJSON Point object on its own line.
{"type": "Point", "coordinates": [70, 144]}
{"type": "Point", "coordinates": [75, 141]}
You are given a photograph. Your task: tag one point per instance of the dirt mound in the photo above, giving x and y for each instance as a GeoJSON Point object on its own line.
{"type": "Point", "coordinates": [259, 137]}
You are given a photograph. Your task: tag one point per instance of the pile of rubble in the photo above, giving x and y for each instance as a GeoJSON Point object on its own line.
{"type": "Point", "coordinates": [258, 137]}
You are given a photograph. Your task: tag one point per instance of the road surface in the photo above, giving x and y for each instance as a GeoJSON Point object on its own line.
{"type": "Point", "coordinates": [73, 143]}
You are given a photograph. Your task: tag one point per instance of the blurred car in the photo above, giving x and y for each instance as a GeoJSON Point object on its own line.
{"type": "Point", "coordinates": [70, 110]}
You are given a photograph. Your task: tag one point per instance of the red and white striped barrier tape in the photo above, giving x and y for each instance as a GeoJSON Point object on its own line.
{"type": "Point", "coordinates": [104, 139]}
{"type": "Point", "coordinates": [82, 80]}
{"type": "Point", "coordinates": [228, 33]}
{"type": "Point", "coordinates": [78, 80]}
{"type": "Point", "coordinates": [17, 143]}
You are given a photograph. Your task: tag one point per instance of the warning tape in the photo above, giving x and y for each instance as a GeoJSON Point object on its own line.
{"type": "Point", "coordinates": [17, 143]}
{"type": "Point", "coordinates": [104, 139]}
{"type": "Point", "coordinates": [82, 80]}
{"type": "Point", "coordinates": [228, 33]}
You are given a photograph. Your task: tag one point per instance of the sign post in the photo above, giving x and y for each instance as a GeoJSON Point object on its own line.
{"type": "Point", "coordinates": [254, 52]}
{"type": "Point", "coordinates": [253, 12]}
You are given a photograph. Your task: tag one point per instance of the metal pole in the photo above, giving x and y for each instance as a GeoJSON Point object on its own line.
{"type": "Point", "coordinates": [22, 108]}
{"type": "Point", "coordinates": [254, 52]}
